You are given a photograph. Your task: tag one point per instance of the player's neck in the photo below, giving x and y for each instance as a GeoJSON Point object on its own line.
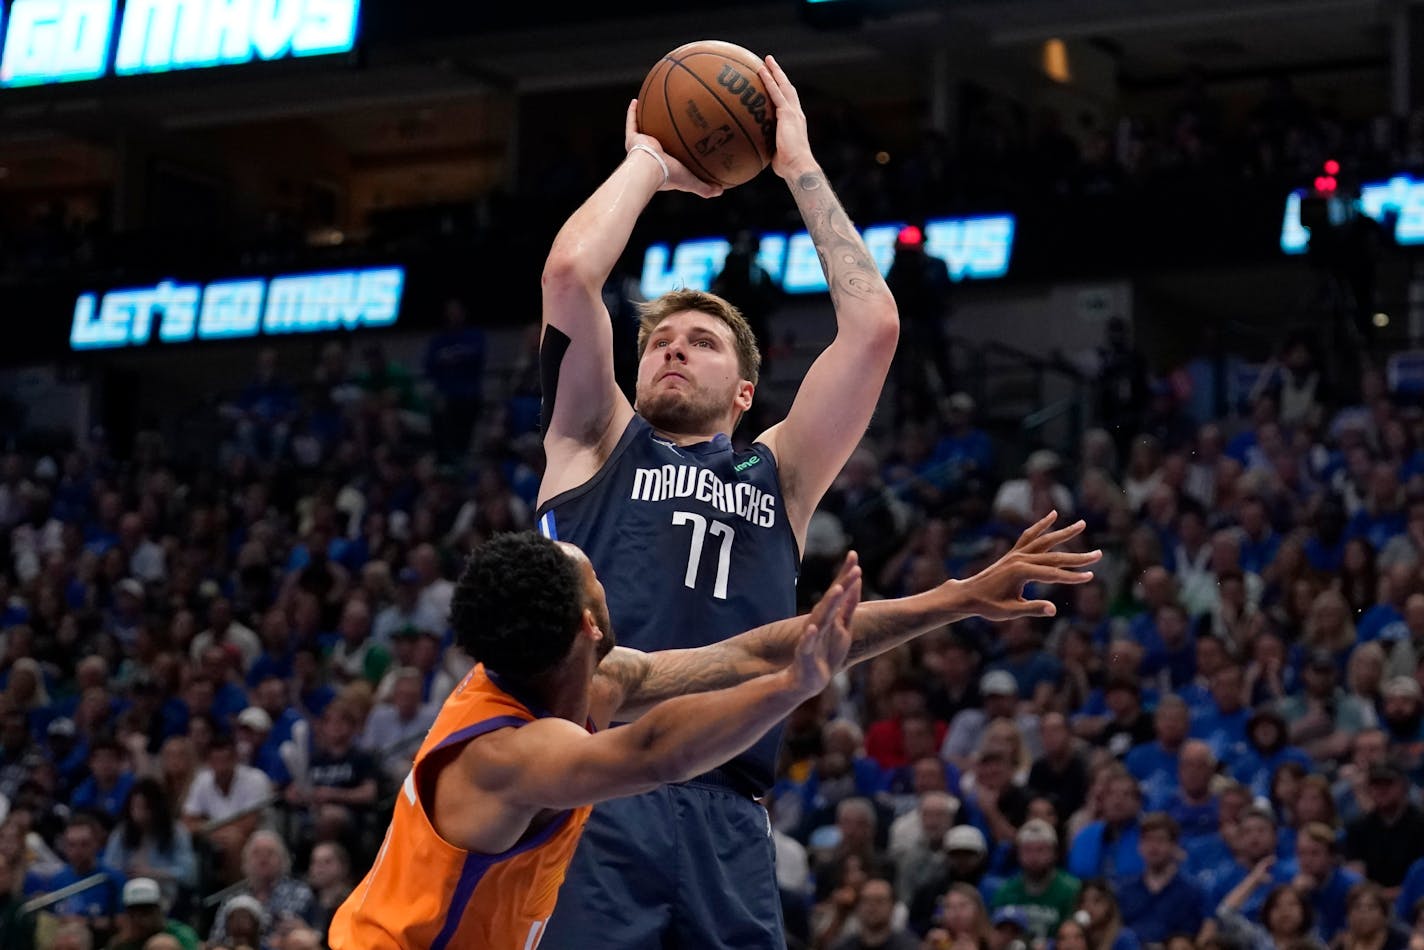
{"type": "Point", "coordinates": [683, 438]}
{"type": "Point", "coordinates": [566, 690]}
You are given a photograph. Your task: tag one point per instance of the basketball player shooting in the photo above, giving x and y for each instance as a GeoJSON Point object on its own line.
{"type": "Point", "coordinates": [500, 789]}
{"type": "Point", "coordinates": [693, 540]}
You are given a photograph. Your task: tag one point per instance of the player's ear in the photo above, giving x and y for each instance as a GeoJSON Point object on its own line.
{"type": "Point", "coordinates": [743, 398]}
{"type": "Point", "coordinates": [590, 625]}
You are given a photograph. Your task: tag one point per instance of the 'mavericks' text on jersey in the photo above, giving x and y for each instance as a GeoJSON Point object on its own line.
{"type": "Point", "coordinates": [742, 499]}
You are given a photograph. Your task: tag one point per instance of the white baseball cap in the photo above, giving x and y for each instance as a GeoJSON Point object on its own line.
{"type": "Point", "coordinates": [255, 717]}
{"type": "Point", "coordinates": [142, 892]}
{"type": "Point", "coordinates": [965, 838]}
{"type": "Point", "coordinates": [999, 683]}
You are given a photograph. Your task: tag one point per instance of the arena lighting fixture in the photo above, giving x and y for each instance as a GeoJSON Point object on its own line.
{"type": "Point", "coordinates": [1055, 61]}
{"type": "Point", "coordinates": [1381, 320]}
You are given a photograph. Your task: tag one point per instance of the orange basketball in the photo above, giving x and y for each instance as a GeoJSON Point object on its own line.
{"type": "Point", "coordinates": [705, 103]}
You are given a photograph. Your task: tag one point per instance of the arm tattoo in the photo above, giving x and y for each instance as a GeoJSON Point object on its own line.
{"type": "Point", "coordinates": [646, 678]}
{"type": "Point", "coordinates": [850, 270]}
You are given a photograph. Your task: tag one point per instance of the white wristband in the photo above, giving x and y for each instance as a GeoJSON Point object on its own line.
{"type": "Point", "coordinates": [640, 147]}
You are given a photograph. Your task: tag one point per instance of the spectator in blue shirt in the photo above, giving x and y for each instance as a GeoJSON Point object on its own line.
{"type": "Point", "coordinates": [1385, 620]}
{"type": "Point", "coordinates": [455, 366]}
{"type": "Point", "coordinates": [1255, 842]}
{"type": "Point", "coordinates": [1322, 879]}
{"type": "Point", "coordinates": [1267, 750]}
{"type": "Point", "coordinates": [1162, 900]}
{"type": "Point", "coordinates": [1223, 724]}
{"type": "Point", "coordinates": [1411, 892]}
{"type": "Point", "coordinates": [1259, 541]}
{"type": "Point", "coordinates": [1382, 516]}
{"type": "Point", "coordinates": [107, 787]}
{"type": "Point", "coordinates": [1036, 672]}
{"type": "Point", "coordinates": [1108, 848]}
{"type": "Point", "coordinates": [1154, 764]}
{"type": "Point", "coordinates": [80, 845]}
{"type": "Point", "coordinates": [965, 451]}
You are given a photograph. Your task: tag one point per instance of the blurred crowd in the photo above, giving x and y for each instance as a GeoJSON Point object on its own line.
{"type": "Point", "coordinates": [214, 670]}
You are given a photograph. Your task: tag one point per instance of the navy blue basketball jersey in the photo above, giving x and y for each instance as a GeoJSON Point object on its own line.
{"type": "Point", "coordinates": [691, 543]}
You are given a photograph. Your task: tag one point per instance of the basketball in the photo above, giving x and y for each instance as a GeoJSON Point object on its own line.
{"type": "Point", "coordinates": [705, 103]}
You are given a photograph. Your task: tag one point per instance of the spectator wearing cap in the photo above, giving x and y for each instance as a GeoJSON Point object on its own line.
{"type": "Point", "coordinates": [1059, 774]}
{"type": "Point", "coordinates": [1000, 692]}
{"type": "Point", "coordinates": [1036, 672]}
{"type": "Point", "coordinates": [224, 630]}
{"type": "Point", "coordinates": [1403, 723]}
{"type": "Point", "coordinates": [253, 732]}
{"type": "Point", "coordinates": [1155, 764]}
{"type": "Point", "coordinates": [403, 613]}
{"type": "Point", "coordinates": [1108, 848]}
{"type": "Point", "coordinates": [144, 917]}
{"type": "Point", "coordinates": [1043, 893]}
{"type": "Point", "coordinates": [1321, 878]}
{"type": "Point", "coordinates": [243, 920]}
{"type": "Point", "coordinates": [80, 845]}
{"type": "Point", "coordinates": [1022, 501]}
{"type": "Point", "coordinates": [964, 859]}
{"type": "Point", "coordinates": [396, 727]}
{"type": "Point", "coordinates": [1161, 900]}
{"type": "Point", "coordinates": [1011, 928]}
{"type": "Point", "coordinates": [109, 782]}
{"type": "Point", "coordinates": [1222, 724]}
{"type": "Point", "coordinates": [1267, 749]}
{"type": "Point", "coordinates": [1387, 839]}
{"type": "Point", "coordinates": [1255, 846]}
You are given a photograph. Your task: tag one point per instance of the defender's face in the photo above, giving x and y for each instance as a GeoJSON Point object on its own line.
{"type": "Point", "coordinates": [689, 376]}
{"type": "Point", "coordinates": [594, 598]}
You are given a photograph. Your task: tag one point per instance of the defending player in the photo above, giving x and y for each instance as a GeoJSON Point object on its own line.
{"type": "Point", "coordinates": [693, 540]}
{"type": "Point", "coordinates": [489, 816]}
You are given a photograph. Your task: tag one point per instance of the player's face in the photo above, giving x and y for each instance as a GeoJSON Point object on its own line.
{"type": "Point", "coordinates": [689, 378]}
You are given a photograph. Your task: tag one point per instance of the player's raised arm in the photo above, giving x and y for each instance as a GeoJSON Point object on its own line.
{"type": "Point", "coordinates": [584, 411]}
{"type": "Point", "coordinates": [628, 681]}
{"type": "Point", "coordinates": [838, 396]}
{"type": "Point", "coordinates": [553, 763]}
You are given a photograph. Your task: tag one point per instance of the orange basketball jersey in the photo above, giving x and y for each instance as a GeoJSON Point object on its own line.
{"type": "Point", "coordinates": [424, 892]}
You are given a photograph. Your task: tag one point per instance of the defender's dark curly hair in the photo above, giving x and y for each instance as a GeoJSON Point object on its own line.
{"type": "Point", "coordinates": [517, 605]}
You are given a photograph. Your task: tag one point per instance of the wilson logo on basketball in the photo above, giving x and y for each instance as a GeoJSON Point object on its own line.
{"type": "Point", "coordinates": [754, 102]}
{"type": "Point", "coordinates": [710, 143]}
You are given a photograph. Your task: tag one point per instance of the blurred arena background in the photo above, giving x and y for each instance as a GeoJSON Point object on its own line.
{"type": "Point", "coordinates": [270, 296]}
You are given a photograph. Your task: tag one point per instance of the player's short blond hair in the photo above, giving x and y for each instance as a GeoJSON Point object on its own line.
{"type": "Point", "coordinates": [655, 311]}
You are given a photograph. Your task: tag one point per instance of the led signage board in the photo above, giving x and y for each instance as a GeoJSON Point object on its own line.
{"type": "Point", "coordinates": [978, 247]}
{"type": "Point", "coordinates": [48, 41]}
{"type": "Point", "coordinates": [174, 312]}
